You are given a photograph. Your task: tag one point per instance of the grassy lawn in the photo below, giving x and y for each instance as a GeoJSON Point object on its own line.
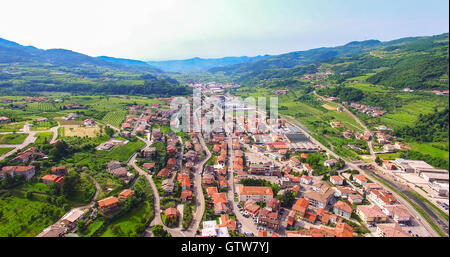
{"type": "Point", "coordinates": [42, 137]}
{"type": "Point", "coordinates": [4, 150]}
{"type": "Point", "coordinates": [13, 139]}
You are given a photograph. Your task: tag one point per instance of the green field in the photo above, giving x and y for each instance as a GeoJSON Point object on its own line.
{"type": "Point", "coordinates": [13, 139]}
{"type": "Point", "coordinates": [43, 137]}
{"type": "Point", "coordinates": [22, 217]}
{"type": "Point", "coordinates": [431, 149]}
{"type": "Point", "coordinates": [4, 150]}
{"type": "Point", "coordinates": [11, 127]}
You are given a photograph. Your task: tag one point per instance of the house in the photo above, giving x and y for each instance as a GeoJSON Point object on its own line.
{"type": "Point", "coordinates": [382, 197]}
{"type": "Point", "coordinates": [371, 214]}
{"type": "Point", "coordinates": [26, 171]}
{"type": "Point", "coordinates": [60, 171]}
{"type": "Point", "coordinates": [370, 186]}
{"type": "Point", "coordinates": [41, 119]}
{"type": "Point", "coordinates": [221, 208]}
{"type": "Point", "coordinates": [257, 193]}
{"type": "Point", "coordinates": [390, 230]}
{"type": "Point", "coordinates": [125, 194]}
{"type": "Point", "coordinates": [360, 179]}
{"type": "Point", "coordinates": [326, 217]}
{"type": "Point", "coordinates": [53, 231]}
{"type": "Point", "coordinates": [388, 165]}
{"type": "Point", "coordinates": [342, 209]}
{"type": "Point", "coordinates": [208, 179]}
{"type": "Point", "coordinates": [330, 163]}
{"type": "Point", "coordinates": [223, 183]}
{"type": "Point", "coordinates": [210, 191]}
{"type": "Point", "coordinates": [300, 207]}
{"type": "Point", "coordinates": [89, 123]}
{"type": "Point", "coordinates": [167, 186]}
{"type": "Point", "coordinates": [320, 196]}
{"type": "Point", "coordinates": [252, 207]}
{"type": "Point", "coordinates": [28, 155]}
{"type": "Point", "coordinates": [291, 219]}
{"type": "Point", "coordinates": [337, 180]}
{"type": "Point", "coordinates": [149, 166]}
{"type": "Point", "coordinates": [268, 219]}
{"type": "Point", "coordinates": [163, 173]}
{"type": "Point", "coordinates": [171, 163]}
{"type": "Point", "coordinates": [355, 199]}
{"type": "Point", "coordinates": [120, 172]}
{"type": "Point", "coordinates": [4, 119]}
{"type": "Point", "coordinates": [225, 221]}
{"type": "Point", "coordinates": [186, 195]}
{"type": "Point", "coordinates": [398, 212]}
{"type": "Point", "coordinates": [71, 218]}
{"type": "Point", "coordinates": [171, 214]}
{"type": "Point", "coordinates": [148, 152]}
{"type": "Point", "coordinates": [307, 168]}
{"type": "Point", "coordinates": [274, 204]}
{"type": "Point", "coordinates": [108, 204]}
{"type": "Point", "coordinates": [344, 192]}
{"type": "Point", "coordinates": [49, 178]}
{"type": "Point", "coordinates": [219, 198]}
{"type": "Point", "coordinates": [310, 217]}
{"type": "Point", "coordinates": [306, 180]}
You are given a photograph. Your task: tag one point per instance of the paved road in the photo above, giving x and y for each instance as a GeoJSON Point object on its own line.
{"type": "Point", "coordinates": [199, 197]}
{"type": "Point", "coordinates": [176, 232]}
{"type": "Point", "coordinates": [247, 223]}
{"type": "Point", "coordinates": [30, 139]}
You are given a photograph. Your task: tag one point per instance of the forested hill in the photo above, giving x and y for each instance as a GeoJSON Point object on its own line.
{"type": "Point", "coordinates": [432, 127]}
{"type": "Point", "coordinates": [11, 52]}
{"type": "Point", "coordinates": [415, 62]}
{"type": "Point", "coordinates": [199, 64]}
{"type": "Point", "coordinates": [32, 70]}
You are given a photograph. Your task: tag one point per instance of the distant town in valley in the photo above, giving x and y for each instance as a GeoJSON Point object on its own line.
{"type": "Point", "coordinates": [89, 146]}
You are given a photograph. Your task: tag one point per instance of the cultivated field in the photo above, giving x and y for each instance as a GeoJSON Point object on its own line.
{"type": "Point", "coordinates": [78, 131]}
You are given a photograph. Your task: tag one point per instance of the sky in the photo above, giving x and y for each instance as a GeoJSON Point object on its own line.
{"type": "Point", "coordinates": [180, 29]}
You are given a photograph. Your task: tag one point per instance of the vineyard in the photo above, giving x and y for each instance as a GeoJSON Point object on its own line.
{"type": "Point", "coordinates": [44, 107]}
{"type": "Point", "coordinates": [115, 118]}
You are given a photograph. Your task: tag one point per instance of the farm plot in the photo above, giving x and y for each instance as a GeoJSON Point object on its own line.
{"type": "Point", "coordinates": [114, 118]}
{"type": "Point", "coordinates": [11, 127]}
{"type": "Point", "coordinates": [12, 139]}
{"type": "Point", "coordinates": [43, 137]}
{"type": "Point", "coordinates": [78, 131]}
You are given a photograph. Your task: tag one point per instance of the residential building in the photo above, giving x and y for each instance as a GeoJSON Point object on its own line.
{"type": "Point", "coordinates": [371, 214]}
{"type": "Point", "coordinates": [257, 193]}
{"type": "Point", "coordinates": [390, 230]}
{"type": "Point", "coordinates": [342, 209]}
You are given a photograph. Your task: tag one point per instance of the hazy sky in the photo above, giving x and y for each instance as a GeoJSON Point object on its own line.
{"type": "Point", "coordinates": [169, 29]}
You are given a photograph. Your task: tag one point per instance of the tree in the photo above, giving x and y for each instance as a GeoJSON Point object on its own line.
{"type": "Point", "coordinates": [378, 161]}
{"type": "Point", "coordinates": [81, 225]}
{"type": "Point", "coordinates": [287, 199]}
{"type": "Point", "coordinates": [158, 231]}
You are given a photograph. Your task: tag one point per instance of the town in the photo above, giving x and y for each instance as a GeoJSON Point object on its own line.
{"type": "Point", "coordinates": [270, 179]}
